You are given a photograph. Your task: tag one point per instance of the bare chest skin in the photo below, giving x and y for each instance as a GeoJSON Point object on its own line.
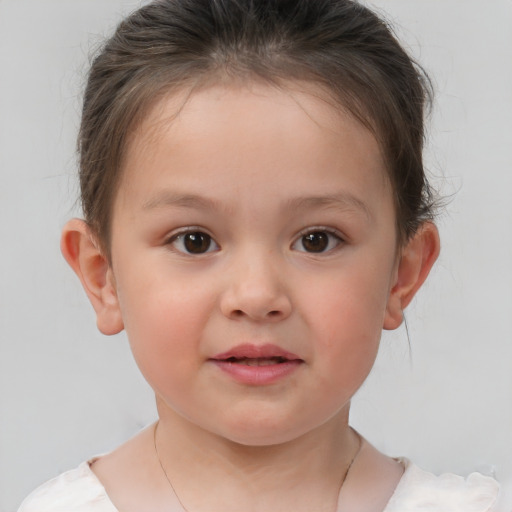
{"type": "Point", "coordinates": [134, 481]}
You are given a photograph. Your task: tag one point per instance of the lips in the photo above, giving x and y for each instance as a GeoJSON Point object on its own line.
{"type": "Point", "coordinates": [256, 361]}
{"type": "Point", "coordinates": [257, 364]}
{"type": "Point", "coordinates": [249, 351]}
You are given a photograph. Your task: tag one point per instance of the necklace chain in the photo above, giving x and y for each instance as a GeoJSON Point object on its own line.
{"type": "Point", "coordinates": [186, 510]}
{"type": "Point", "coordinates": [165, 472]}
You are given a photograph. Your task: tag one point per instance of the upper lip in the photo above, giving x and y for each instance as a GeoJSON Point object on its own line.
{"type": "Point", "coordinates": [249, 351]}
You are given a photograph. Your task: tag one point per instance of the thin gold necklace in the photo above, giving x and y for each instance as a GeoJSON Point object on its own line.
{"type": "Point", "coordinates": [186, 510]}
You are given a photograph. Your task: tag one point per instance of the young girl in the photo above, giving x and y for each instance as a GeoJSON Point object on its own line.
{"type": "Point", "coordinates": [256, 212]}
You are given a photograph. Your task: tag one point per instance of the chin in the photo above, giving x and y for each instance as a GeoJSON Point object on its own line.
{"type": "Point", "coordinates": [260, 432]}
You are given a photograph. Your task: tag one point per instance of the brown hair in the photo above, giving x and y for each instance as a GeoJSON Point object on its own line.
{"type": "Point", "coordinates": [339, 44]}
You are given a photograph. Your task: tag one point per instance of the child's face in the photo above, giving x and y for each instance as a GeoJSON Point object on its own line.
{"type": "Point", "coordinates": [256, 217]}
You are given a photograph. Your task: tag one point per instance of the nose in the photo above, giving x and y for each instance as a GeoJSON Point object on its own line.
{"type": "Point", "coordinates": [255, 291]}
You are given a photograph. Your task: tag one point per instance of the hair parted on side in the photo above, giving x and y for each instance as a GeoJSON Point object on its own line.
{"type": "Point", "coordinates": [338, 44]}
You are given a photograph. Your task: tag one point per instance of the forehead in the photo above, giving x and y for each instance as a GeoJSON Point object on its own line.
{"type": "Point", "coordinates": [244, 101]}
{"type": "Point", "coordinates": [249, 132]}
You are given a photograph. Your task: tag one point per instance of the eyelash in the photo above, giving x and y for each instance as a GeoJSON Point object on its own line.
{"type": "Point", "coordinates": [328, 241]}
{"type": "Point", "coordinates": [180, 238]}
{"type": "Point", "coordinates": [333, 237]}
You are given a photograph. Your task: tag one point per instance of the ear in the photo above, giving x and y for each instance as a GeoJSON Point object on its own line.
{"type": "Point", "coordinates": [415, 261]}
{"type": "Point", "coordinates": [81, 250]}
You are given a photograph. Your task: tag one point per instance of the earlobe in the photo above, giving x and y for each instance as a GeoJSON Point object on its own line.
{"type": "Point", "coordinates": [81, 250]}
{"type": "Point", "coordinates": [416, 261]}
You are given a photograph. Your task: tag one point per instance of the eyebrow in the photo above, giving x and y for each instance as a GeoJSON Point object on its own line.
{"type": "Point", "coordinates": [171, 199]}
{"type": "Point", "coordinates": [339, 201]}
{"type": "Point", "coordinates": [342, 200]}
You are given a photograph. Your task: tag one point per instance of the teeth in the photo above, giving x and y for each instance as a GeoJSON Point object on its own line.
{"type": "Point", "coordinates": [258, 362]}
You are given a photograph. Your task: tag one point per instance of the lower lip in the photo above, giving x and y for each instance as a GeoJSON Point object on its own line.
{"type": "Point", "coordinates": [258, 375]}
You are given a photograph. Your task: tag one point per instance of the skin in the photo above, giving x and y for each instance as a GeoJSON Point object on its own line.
{"type": "Point", "coordinates": [255, 184]}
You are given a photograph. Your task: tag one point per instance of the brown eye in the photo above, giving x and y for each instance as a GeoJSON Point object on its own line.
{"type": "Point", "coordinates": [317, 242]}
{"type": "Point", "coordinates": [194, 242]}
{"type": "Point", "coordinates": [197, 243]}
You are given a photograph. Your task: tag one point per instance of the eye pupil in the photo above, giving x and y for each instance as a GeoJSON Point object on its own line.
{"type": "Point", "coordinates": [315, 242]}
{"type": "Point", "coordinates": [197, 242]}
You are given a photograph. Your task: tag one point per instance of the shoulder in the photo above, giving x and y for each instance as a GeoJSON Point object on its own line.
{"type": "Point", "coordinates": [77, 490]}
{"type": "Point", "coordinates": [420, 490]}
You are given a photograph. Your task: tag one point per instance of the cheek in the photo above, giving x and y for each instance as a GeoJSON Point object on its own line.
{"type": "Point", "coordinates": [348, 302]}
{"type": "Point", "coordinates": [346, 313]}
{"type": "Point", "coordinates": [164, 325]}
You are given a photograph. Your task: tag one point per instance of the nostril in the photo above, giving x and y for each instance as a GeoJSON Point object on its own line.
{"type": "Point", "coordinates": [239, 313]}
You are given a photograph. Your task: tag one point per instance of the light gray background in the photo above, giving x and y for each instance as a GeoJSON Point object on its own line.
{"type": "Point", "coordinates": [67, 393]}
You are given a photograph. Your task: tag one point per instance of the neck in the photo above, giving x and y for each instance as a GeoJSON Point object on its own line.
{"type": "Point", "coordinates": [303, 473]}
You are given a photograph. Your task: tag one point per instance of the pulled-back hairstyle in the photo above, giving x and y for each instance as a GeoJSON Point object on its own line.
{"type": "Point", "coordinates": [338, 44]}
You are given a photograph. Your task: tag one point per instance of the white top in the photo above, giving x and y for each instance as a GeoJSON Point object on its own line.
{"type": "Point", "coordinates": [79, 490]}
